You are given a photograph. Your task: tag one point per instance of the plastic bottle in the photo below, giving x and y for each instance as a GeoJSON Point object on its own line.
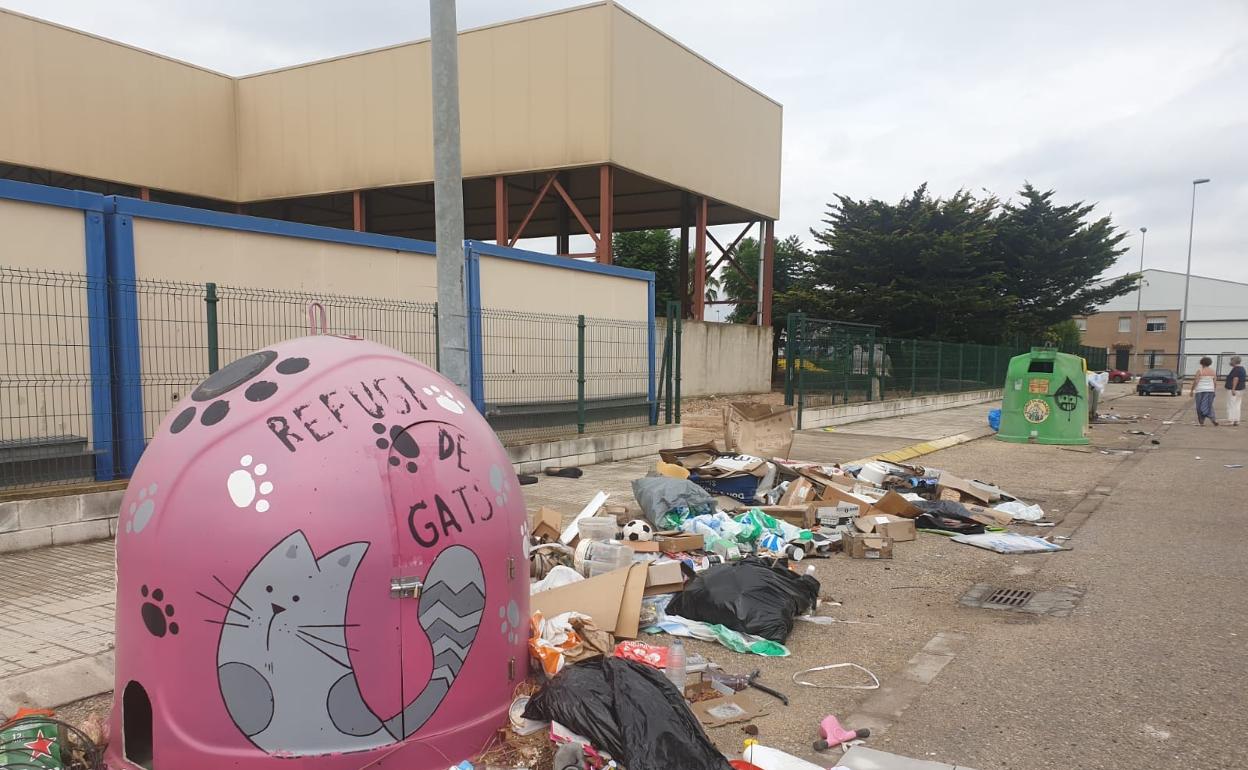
{"type": "Point", "coordinates": [676, 673]}
{"type": "Point", "coordinates": [767, 758]}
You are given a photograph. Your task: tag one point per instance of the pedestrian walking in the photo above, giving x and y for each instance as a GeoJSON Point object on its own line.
{"type": "Point", "coordinates": [1203, 390]}
{"type": "Point", "coordinates": [1235, 380]}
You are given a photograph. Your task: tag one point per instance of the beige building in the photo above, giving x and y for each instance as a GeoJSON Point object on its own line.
{"type": "Point", "coordinates": [585, 121]}
{"type": "Point", "coordinates": [1136, 341]}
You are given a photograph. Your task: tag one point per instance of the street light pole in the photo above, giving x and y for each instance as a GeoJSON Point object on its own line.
{"type": "Point", "coordinates": [1187, 283]}
{"type": "Point", "coordinates": [448, 195]}
{"type": "Point", "coordinates": [1139, 298]}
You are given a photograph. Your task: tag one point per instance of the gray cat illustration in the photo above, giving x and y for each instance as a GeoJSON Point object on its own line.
{"type": "Point", "coordinates": [283, 663]}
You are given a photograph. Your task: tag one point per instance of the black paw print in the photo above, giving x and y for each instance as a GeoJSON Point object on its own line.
{"type": "Point", "coordinates": [230, 377]}
{"type": "Point", "coordinates": [155, 616]}
{"type": "Point", "coordinates": [402, 442]}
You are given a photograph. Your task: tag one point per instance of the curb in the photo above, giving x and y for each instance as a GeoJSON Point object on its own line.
{"type": "Point", "coordinates": [927, 447]}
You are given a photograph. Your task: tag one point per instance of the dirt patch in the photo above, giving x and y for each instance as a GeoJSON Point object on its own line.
{"type": "Point", "coordinates": [703, 417]}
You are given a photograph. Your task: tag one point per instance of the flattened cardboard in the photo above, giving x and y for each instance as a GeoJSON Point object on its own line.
{"type": "Point", "coordinates": [894, 504]}
{"type": "Point", "coordinates": [727, 710]}
{"type": "Point", "coordinates": [763, 430]}
{"type": "Point", "coordinates": [837, 495]}
{"type": "Point", "coordinates": [613, 600]}
{"type": "Point", "coordinates": [863, 546]}
{"type": "Point", "coordinates": [990, 517]}
{"type": "Point", "coordinates": [803, 516]}
{"type": "Point", "coordinates": [547, 525]}
{"type": "Point", "coordinates": [681, 542]}
{"type": "Point", "coordinates": [823, 479]}
{"type": "Point", "coordinates": [642, 546]}
{"type": "Point", "coordinates": [895, 528]}
{"type": "Point", "coordinates": [969, 488]}
{"type": "Point", "coordinates": [691, 456]}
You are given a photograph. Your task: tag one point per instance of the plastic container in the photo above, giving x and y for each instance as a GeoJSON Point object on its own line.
{"type": "Point", "coordinates": [594, 557]}
{"type": "Point", "coordinates": [767, 758]}
{"type": "Point", "coordinates": [873, 473]}
{"type": "Point", "coordinates": [598, 528]}
{"type": "Point", "coordinates": [676, 672]}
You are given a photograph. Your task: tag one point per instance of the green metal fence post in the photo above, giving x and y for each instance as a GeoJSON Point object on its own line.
{"type": "Point", "coordinates": [940, 363]}
{"type": "Point", "coordinates": [210, 303]}
{"type": "Point", "coordinates": [801, 384]}
{"type": "Point", "coordinates": [914, 364]}
{"type": "Point", "coordinates": [961, 375]}
{"type": "Point", "coordinates": [870, 366]}
{"type": "Point", "coordinates": [979, 366]}
{"type": "Point", "coordinates": [789, 347]}
{"type": "Point", "coordinates": [676, 366]}
{"type": "Point", "coordinates": [580, 374]}
{"type": "Point", "coordinates": [437, 341]}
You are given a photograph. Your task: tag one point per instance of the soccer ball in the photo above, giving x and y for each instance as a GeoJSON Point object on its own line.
{"type": "Point", "coordinates": [637, 529]}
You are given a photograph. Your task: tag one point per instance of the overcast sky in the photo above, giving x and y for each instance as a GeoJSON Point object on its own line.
{"type": "Point", "coordinates": [1118, 102]}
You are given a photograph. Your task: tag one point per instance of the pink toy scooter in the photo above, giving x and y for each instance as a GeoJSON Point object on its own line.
{"type": "Point", "coordinates": [834, 735]}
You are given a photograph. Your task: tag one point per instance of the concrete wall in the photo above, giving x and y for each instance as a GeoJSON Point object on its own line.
{"type": "Point", "coordinates": [60, 520]}
{"type": "Point", "coordinates": [82, 105]}
{"type": "Point", "coordinates": [719, 358]}
{"type": "Point", "coordinates": [679, 118]}
{"type": "Point", "coordinates": [874, 410]}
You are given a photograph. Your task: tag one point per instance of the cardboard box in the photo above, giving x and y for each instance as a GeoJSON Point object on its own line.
{"type": "Point", "coordinates": [834, 494]}
{"type": "Point", "coordinates": [613, 600]}
{"type": "Point", "coordinates": [895, 528]}
{"type": "Point", "coordinates": [804, 516]}
{"type": "Point", "coordinates": [681, 542]}
{"type": "Point", "coordinates": [989, 517]}
{"type": "Point", "coordinates": [664, 577]}
{"type": "Point", "coordinates": [980, 492]}
{"type": "Point", "coordinates": [799, 492]}
{"type": "Point", "coordinates": [894, 504]}
{"type": "Point", "coordinates": [860, 545]}
{"type": "Point", "coordinates": [762, 430]}
{"type": "Point", "coordinates": [547, 525]}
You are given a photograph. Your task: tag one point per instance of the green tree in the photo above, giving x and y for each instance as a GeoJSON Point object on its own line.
{"type": "Point", "coordinates": [654, 250]}
{"type": "Point", "coordinates": [924, 267]}
{"type": "Point", "coordinates": [790, 280]}
{"type": "Point", "coordinates": [1052, 257]}
{"type": "Point", "coordinates": [1064, 335]}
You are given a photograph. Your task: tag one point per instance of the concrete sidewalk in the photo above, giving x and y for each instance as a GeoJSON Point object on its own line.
{"type": "Point", "coordinates": [57, 604]}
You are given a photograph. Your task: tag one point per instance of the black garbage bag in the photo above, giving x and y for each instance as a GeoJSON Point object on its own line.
{"type": "Point", "coordinates": [629, 710]}
{"type": "Point", "coordinates": [946, 516]}
{"type": "Point", "coordinates": [748, 596]}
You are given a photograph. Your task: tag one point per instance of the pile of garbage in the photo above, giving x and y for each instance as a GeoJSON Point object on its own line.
{"type": "Point", "coordinates": [716, 546]}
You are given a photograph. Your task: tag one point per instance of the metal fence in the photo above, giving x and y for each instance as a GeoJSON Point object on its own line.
{"type": "Point", "coordinates": [544, 375]}
{"type": "Point", "coordinates": [833, 362]}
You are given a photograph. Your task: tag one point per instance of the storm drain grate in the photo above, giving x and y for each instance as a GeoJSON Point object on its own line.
{"type": "Point", "coordinates": [1011, 598]}
{"type": "Point", "coordinates": [1058, 601]}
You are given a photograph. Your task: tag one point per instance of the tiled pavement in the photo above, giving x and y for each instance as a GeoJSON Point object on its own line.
{"type": "Point", "coordinates": [56, 604]}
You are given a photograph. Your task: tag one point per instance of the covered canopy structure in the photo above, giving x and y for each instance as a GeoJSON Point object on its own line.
{"type": "Point", "coordinates": [585, 121]}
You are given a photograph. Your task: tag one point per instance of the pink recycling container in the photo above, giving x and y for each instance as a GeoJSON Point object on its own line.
{"type": "Point", "coordinates": [320, 558]}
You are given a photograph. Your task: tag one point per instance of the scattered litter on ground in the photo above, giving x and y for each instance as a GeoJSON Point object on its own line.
{"type": "Point", "coordinates": [1008, 542]}
{"type": "Point", "coordinates": [800, 678]}
{"type": "Point", "coordinates": [1233, 465]}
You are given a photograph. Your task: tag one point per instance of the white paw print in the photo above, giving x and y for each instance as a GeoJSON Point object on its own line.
{"type": "Point", "coordinates": [142, 510]}
{"type": "Point", "coordinates": [498, 480]}
{"type": "Point", "coordinates": [444, 399]}
{"type": "Point", "coordinates": [510, 625]}
{"type": "Point", "coordinates": [243, 487]}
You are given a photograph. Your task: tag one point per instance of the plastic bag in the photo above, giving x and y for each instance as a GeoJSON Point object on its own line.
{"type": "Point", "coordinates": [714, 632]}
{"type": "Point", "coordinates": [658, 495]}
{"type": "Point", "coordinates": [994, 419]}
{"type": "Point", "coordinates": [946, 516]}
{"type": "Point", "coordinates": [1021, 511]}
{"type": "Point", "coordinates": [630, 711]}
{"type": "Point", "coordinates": [748, 596]}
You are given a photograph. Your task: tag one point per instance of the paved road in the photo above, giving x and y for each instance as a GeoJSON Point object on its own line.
{"type": "Point", "coordinates": [1148, 671]}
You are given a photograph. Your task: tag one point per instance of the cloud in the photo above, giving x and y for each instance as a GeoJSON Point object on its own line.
{"type": "Point", "coordinates": [1121, 102]}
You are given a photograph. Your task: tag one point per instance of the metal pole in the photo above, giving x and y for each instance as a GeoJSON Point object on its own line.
{"type": "Point", "coordinates": [580, 374]}
{"type": "Point", "coordinates": [762, 263]}
{"type": "Point", "coordinates": [210, 301]}
{"type": "Point", "coordinates": [448, 195]}
{"type": "Point", "coordinates": [1187, 283]}
{"type": "Point", "coordinates": [676, 367]}
{"type": "Point", "coordinates": [1139, 296]}
{"type": "Point", "coordinates": [789, 347]}
{"type": "Point", "coordinates": [940, 362]}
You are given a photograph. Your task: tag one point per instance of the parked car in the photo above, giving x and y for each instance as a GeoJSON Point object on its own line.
{"type": "Point", "coordinates": [1158, 381]}
{"type": "Point", "coordinates": [1118, 375]}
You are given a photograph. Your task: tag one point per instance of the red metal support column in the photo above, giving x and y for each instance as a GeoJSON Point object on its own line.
{"type": "Point", "coordinates": [699, 262]}
{"type": "Point", "coordinates": [357, 211]}
{"type": "Point", "coordinates": [606, 213]}
{"type": "Point", "coordinates": [501, 225]}
{"type": "Point", "coordinates": [563, 235]}
{"type": "Point", "coordinates": [769, 270]}
{"type": "Point", "coordinates": [145, 194]}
